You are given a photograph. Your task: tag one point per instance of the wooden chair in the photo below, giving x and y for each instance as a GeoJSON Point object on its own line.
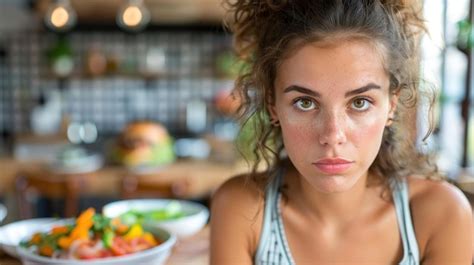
{"type": "Point", "coordinates": [151, 185]}
{"type": "Point", "coordinates": [31, 185]}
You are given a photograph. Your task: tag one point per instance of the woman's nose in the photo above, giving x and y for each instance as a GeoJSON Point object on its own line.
{"type": "Point", "coordinates": [332, 131]}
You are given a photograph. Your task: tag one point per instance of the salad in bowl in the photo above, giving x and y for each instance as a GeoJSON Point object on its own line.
{"type": "Point", "coordinates": [95, 239]}
{"type": "Point", "coordinates": [181, 217]}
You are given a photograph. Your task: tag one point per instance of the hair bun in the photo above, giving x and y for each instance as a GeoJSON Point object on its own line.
{"type": "Point", "coordinates": [409, 16]}
{"type": "Point", "coordinates": [249, 20]}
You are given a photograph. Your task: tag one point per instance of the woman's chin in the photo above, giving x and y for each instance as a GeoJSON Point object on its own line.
{"type": "Point", "coordinates": [332, 184]}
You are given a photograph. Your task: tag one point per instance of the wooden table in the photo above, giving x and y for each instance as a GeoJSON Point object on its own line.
{"type": "Point", "coordinates": [193, 250]}
{"type": "Point", "coordinates": [201, 175]}
{"type": "Point", "coordinates": [198, 177]}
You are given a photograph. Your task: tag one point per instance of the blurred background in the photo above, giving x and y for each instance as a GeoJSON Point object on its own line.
{"type": "Point", "coordinates": [113, 88]}
{"type": "Point", "coordinates": [447, 68]}
{"type": "Point", "coordinates": [83, 81]}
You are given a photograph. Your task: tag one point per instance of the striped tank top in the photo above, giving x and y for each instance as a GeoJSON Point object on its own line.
{"type": "Point", "coordinates": [273, 247]}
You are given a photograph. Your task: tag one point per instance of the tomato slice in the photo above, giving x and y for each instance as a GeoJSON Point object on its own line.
{"type": "Point", "coordinates": [120, 247]}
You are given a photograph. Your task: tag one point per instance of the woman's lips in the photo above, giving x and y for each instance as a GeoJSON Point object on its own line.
{"type": "Point", "coordinates": [333, 165]}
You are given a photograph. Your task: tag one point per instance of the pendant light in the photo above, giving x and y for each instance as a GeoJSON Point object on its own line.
{"type": "Point", "coordinates": [60, 16]}
{"type": "Point", "coordinates": [133, 15]}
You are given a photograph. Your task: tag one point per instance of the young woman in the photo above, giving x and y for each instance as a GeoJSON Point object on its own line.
{"type": "Point", "coordinates": [331, 89]}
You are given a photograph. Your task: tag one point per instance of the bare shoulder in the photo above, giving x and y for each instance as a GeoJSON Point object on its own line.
{"type": "Point", "coordinates": [236, 213]}
{"type": "Point", "coordinates": [437, 194]}
{"type": "Point", "coordinates": [442, 218]}
{"type": "Point", "coordinates": [238, 186]}
{"type": "Point", "coordinates": [437, 198]}
{"type": "Point", "coordinates": [238, 196]}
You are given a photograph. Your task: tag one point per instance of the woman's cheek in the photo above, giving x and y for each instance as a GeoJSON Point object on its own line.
{"type": "Point", "coordinates": [367, 135]}
{"type": "Point", "coordinates": [297, 135]}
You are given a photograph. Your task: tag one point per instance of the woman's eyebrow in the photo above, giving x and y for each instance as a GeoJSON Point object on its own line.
{"type": "Point", "coordinates": [362, 89]}
{"type": "Point", "coordinates": [313, 93]}
{"type": "Point", "coordinates": [303, 90]}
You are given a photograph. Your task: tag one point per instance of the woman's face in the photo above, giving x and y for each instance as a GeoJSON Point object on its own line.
{"type": "Point", "coordinates": [333, 103]}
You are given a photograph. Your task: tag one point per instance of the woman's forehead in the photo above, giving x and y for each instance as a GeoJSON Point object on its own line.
{"type": "Point", "coordinates": [347, 64]}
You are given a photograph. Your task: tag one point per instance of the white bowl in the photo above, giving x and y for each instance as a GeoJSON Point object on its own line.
{"type": "Point", "coordinates": [11, 234]}
{"type": "Point", "coordinates": [194, 219]}
{"type": "Point", "coordinates": [154, 256]}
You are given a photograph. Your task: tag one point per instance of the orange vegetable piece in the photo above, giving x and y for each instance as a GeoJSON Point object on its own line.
{"type": "Point", "coordinates": [148, 237]}
{"type": "Point", "coordinates": [85, 216]}
{"type": "Point", "coordinates": [59, 230]}
{"type": "Point", "coordinates": [115, 221]}
{"type": "Point", "coordinates": [81, 231]}
{"type": "Point", "coordinates": [64, 242]}
{"type": "Point", "coordinates": [121, 229]}
{"type": "Point", "coordinates": [35, 239]}
{"type": "Point", "coordinates": [46, 250]}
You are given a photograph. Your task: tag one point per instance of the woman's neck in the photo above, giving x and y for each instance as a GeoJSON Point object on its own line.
{"type": "Point", "coordinates": [334, 209]}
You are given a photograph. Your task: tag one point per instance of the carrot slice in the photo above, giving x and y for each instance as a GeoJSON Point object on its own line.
{"type": "Point", "coordinates": [36, 239]}
{"type": "Point", "coordinates": [59, 230]}
{"type": "Point", "coordinates": [64, 242]}
{"type": "Point", "coordinates": [46, 250]}
{"type": "Point", "coordinates": [85, 216]}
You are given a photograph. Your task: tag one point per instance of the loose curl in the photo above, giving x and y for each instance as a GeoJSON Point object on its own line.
{"type": "Point", "coordinates": [265, 32]}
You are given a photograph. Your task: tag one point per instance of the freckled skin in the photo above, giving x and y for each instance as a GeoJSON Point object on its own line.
{"type": "Point", "coordinates": [330, 215]}
{"type": "Point", "coordinates": [334, 128]}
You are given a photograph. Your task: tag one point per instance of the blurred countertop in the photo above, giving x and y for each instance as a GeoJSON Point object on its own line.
{"type": "Point", "coordinates": [200, 176]}
{"type": "Point", "coordinates": [33, 154]}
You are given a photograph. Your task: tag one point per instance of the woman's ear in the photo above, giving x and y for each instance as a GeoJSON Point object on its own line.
{"type": "Point", "coordinates": [273, 115]}
{"type": "Point", "coordinates": [393, 107]}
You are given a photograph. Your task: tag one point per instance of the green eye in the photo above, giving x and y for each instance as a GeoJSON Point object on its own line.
{"type": "Point", "coordinates": [305, 104]}
{"type": "Point", "coordinates": [360, 104]}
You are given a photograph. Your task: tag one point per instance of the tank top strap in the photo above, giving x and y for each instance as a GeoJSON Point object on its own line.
{"type": "Point", "coordinates": [401, 200]}
{"type": "Point", "coordinates": [270, 213]}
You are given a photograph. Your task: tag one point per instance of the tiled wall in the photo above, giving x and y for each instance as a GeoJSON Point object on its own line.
{"type": "Point", "coordinates": [5, 93]}
{"type": "Point", "coordinates": [112, 101]}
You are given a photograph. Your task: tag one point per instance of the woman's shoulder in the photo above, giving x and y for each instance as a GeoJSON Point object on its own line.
{"type": "Point", "coordinates": [239, 196]}
{"type": "Point", "coordinates": [441, 214]}
{"type": "Point", "coordinates": [237, 213]}
{"type": "Point", "coordinates": [431, 194]}
{"type": "Point", "coordinates": [238, 190]}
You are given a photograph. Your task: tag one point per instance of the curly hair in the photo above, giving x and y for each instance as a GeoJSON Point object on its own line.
{"type": "Point", "coordinates": [265, 32]}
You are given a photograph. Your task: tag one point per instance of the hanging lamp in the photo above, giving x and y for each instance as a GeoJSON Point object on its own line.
{"type": "Point", "coordinates": [60, 16]}
{"type": "Point", "coordinates": [133, 15]}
